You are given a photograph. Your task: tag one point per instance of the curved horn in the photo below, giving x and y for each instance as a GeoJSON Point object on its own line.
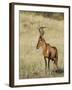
{"type": "Point", "coordinates": [41, 31]}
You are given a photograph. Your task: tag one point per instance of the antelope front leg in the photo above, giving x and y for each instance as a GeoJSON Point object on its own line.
{"type": "Point", "coordinates": [49, 66]}
{"type": "Point", "coordinates": [45, 65]}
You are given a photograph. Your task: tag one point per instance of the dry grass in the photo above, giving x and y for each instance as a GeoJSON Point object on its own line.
{"type": "Point", "coordinates": [31, 60]}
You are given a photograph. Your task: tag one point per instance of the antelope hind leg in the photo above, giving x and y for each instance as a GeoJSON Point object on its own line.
{"type": "Point", "coordinates": [56, 64]}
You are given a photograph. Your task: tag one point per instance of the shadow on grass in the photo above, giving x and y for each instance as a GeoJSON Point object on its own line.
{"type": "Point", "coordinates": [60, 70]}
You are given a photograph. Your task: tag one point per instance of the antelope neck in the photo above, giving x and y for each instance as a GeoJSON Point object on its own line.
{"type": "Point", "coordinates": [44, 45]}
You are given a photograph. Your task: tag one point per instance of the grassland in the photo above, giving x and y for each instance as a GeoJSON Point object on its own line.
{"type": "Point", "coordinates": [32, 64]}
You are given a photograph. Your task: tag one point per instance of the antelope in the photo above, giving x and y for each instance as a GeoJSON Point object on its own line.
{"type": "Point", "coordinates": [49, 52]}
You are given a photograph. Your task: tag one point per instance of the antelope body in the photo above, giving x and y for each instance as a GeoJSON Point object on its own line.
{"type": "Point", "coordinates": [49, 52]}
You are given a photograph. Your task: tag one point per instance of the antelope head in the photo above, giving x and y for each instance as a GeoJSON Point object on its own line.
{"type": "Point", "coordinates": [40, 40]}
